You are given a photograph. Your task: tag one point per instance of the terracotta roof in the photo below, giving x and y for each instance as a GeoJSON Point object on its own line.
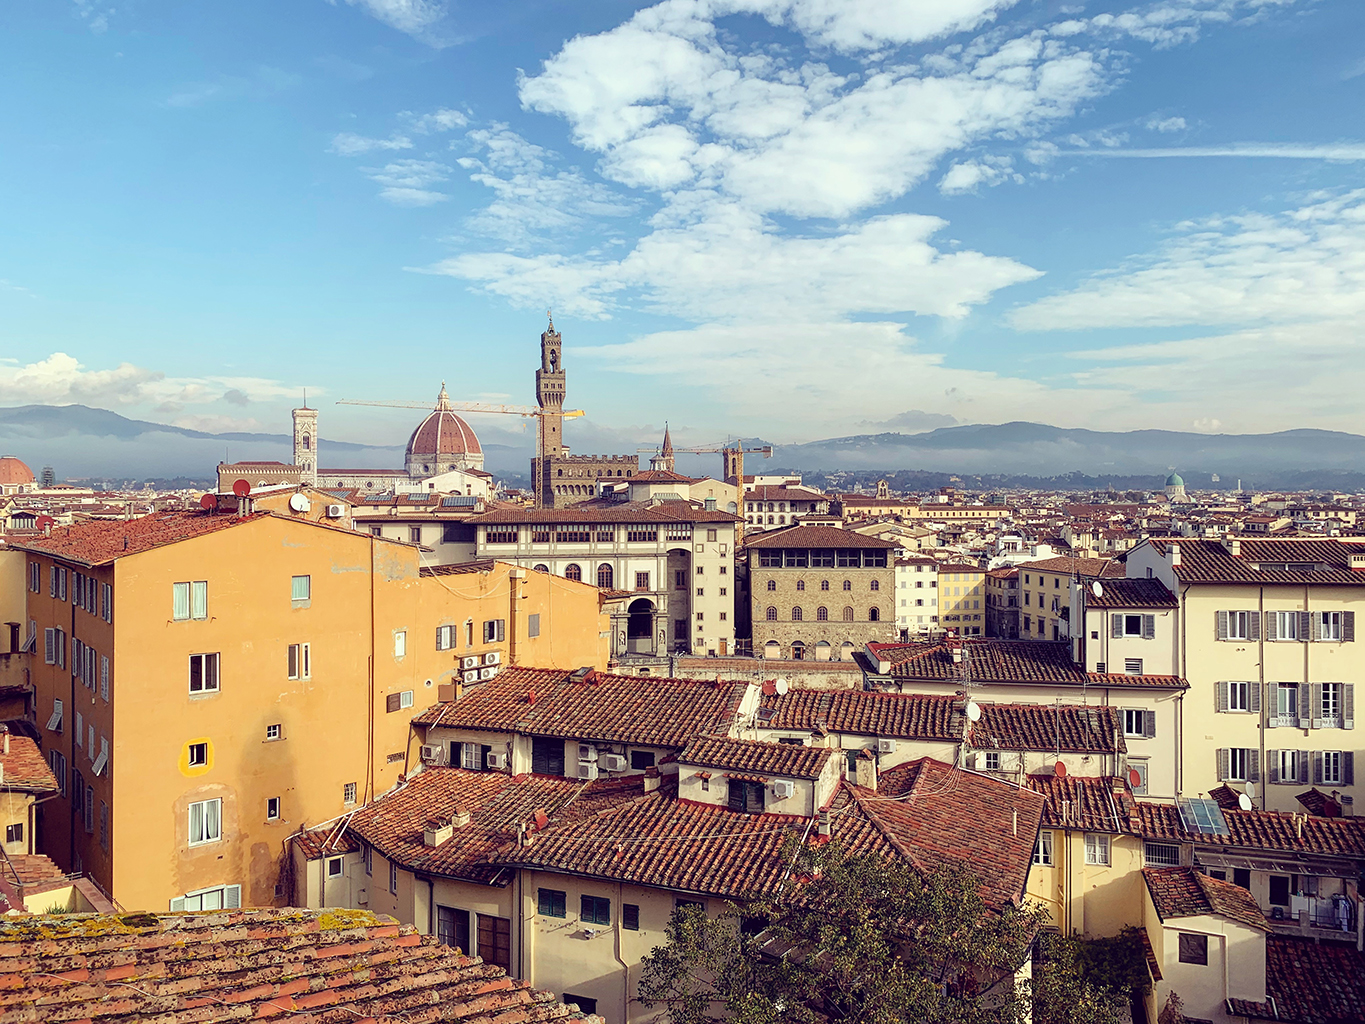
{"type": "Point", "coordinates": [328, 839]}
{"type": "Point", "coordinates": [33, 870]}
{"type": "Point", "coordinates": [989, 661]}
{"type": "Point", "coordinates": [1309, 981]}
{"type": "Point", "coordinates": [814, 537]}
{"type": "Point", "coordinates": [1093, 804]}
{"type": "Point", "coordinates": [1131, 593]}
{"type": "Point", "coordinates": [25, 768]}
{"type": "Point", "coordinates": [243, 964]}
{"type": "Point", "coordinates": [655, 476]}
{"type": "Point", "coordinates": [1208, 561]}
{"type": "Point", "coordinates": [1071, 728]}
{"type": "Point", "coordinates": [1185, 892]}
{"type": "Point", "coordinates": [773, 493]}
{"type": "Point", "coordinates": [1315, 801]}
{"type": "Point", "coordinates": [13, 471]}
{"type": "Point", "coordinates": [100, 542]}
{"type": "Point", "coordinates": [459, 568]}
{"type": "Point", "coordinates": [908, 716]}
{"type": "Point", "coordinates": [624, 709]}
{"type": "Point", "coordinates": [1085, 567]}
{"type": "Point", "coordinates": [629, 512]}
{"type": "Point", "coordinates": [1263, 830]}
{"type": "Point", "coordinates": [1123, 679]}
{"type": "Point", "coordinates": [786, 759]}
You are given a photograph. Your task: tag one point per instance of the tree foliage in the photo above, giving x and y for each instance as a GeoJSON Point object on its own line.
{"type": "Point", "coordinates": [855, 939]}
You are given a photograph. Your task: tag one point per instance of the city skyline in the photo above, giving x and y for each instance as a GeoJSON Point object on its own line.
{"type": "Point", "coordinates": [748, 216]}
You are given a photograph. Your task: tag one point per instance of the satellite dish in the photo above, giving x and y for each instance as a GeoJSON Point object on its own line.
{"type": "Point", "coordinates": [209, 501]}
{"type": "Point", "coordinates": [973, 711]}
{"type": "Point", "coordinates": [1096, 589]}
{"type": "Point", "coordinates": [241, 488]}
{"type": "Point", "coordinates": [1244, 801]}
{"type": "Point", "coordinates": [44, 522]}
{"type": "Point", "coordinates": [1134, 778]}
{"type": "Point", "coordinates": [769, 688]}
{"type": "Point", "coordinates": [1059, 769]}
{"type": "Point", "coordinates": [1251, 789]}
{"type": "Point", "coordinates": [781, 686]}
{"type": "Point", "coordinates": [298, 503]}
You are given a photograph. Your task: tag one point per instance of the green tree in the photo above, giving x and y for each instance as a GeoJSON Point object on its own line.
{"type": "Point", "coordinates": [861, 939]}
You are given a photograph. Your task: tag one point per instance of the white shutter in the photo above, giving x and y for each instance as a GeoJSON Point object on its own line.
{"type": "Point", "coordinates": [104, 677]}
{"type": "Point", "coordinates": [1149, 627]}
{"type": "Point", "coordinates": [1273, 769]}
{"type": "Point", "coordinates": [178, 905]}
{"type": "Point", "coordinates": [50, 646]}
{"type": "Point", "coordinates": [232, 897]}
{"type": "Point", "coordinates": [1222, 625]}
{"type": "Point", "coordinates": [1222, 763]}
{"type": "Point", "coordinates": [1148, 724]}
{"type": "Point", "coordinates": [1116, 626]}
{"type": "Point", "coordinates": [1254, 688]}
{"type": "Point", "coordinates": [1315, 695]}
{"type": "Point", "coordinates": [1272, 623]}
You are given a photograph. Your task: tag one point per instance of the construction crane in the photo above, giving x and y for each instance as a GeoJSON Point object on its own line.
{"type": "Point", "coordinates": [732, 457]}
{"type": "Point", "coordinates": [511, 410]}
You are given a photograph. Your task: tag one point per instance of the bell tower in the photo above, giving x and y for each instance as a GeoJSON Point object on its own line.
{"type": "Point", "coordinates": [550, 422]}
{"type": "Point", "coordinates": [306, 444]}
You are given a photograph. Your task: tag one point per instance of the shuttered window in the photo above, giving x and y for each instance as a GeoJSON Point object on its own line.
{"type": "Point", "coordinates": [495, 941]}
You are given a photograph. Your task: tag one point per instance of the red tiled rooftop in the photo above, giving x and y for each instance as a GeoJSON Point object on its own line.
{"type": "Point", "coordinates": [815, 537]}
{"type": "Point", "coordinates": [1309, 981]}
{"type": "Point", "coordinates": [1095, 804]}
{"type": "Point", "coordinates": [1208, 561]}
{"type": "Point", "coordinates": [787, 759]}
{"type": "Point", "coordinates": [1263, 830]}
{"type": "Point", "coordinates": [1131, 593]}
{"type": "Point", "coordinates": [102, 541]}
{"type": "Point", "coordinates": [988, 661]}
{"type": "Point", "coordinates": [25, 768]}
{"type": "Point", "coordinates": [631, 512]}
{"type": "Point", "coordinates": [1086, 567]}
{"type": "Point", "coordinates": [865, 713]}
{"type": "Point", "coordinates": [1185, 892]}
{"type": "Point", "coordinates": [1064, 728]}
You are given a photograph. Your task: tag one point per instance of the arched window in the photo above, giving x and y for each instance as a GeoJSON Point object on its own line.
{"type": "Point", "coordinates": [307, 443]}
{"type": "Point", "coordinates": [731, 507]}
{"type": "Point", "coordinates": [770, 520]}
{"type": "Point", "coordinates": [848, 614]}
{"type": "Point", "coordinates": [781, 520]}
{"type": "Point", "coordinates": [605, 576]}
{"type": "Point", "coordinates": [772, 584]}
{"type": "Point", "coordinates": [770, 508]}
{"type": "Point", "coordinates": [798, 650]}
{"type": "Point", "coordinates": [541, 568]}
{"type": "Point", "coordinates": [796, 614]}
{"type": "Point", "coordinates": [772, 614]}
{"type": "Point", "coordinates": [874, 614]}
{"type": "Point", "coordinates": [822, 614]}
{"type": "Point", "coordinates": [824, 584]}
{"type": "Point", "coordinates": [876, 584]}
{"type": "Point", "coordinates": [559, 472]}
{"type": "Point", "coordinates": [573, 572]}
{"type": "Point", "coordinates": [848, 584]}
{"type": "Point", "coordinates": [800, 584]}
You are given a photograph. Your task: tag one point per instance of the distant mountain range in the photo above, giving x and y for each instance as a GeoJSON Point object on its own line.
{"type": "Point", "coordinates": [85, 443]}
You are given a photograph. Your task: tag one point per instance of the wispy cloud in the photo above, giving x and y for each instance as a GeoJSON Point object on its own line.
{"type": "Point", "coordinates": [407, 182]}
{"type": "Point", "coordinates": [95, 14]}
{"type": "Point", "coordinates": [351, 144]}
{"type": "Point", "coordinates": [422, 19]}
{"type": "Point", "coordinates": [1276, 150]}
{"type": "Point", "coordinates": [262, 83]}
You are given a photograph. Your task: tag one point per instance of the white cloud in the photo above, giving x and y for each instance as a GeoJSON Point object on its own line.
{"type": "Point", "coordinates": [970, 174]}
{"type": "Point", "coordinates": [417, 18]}
{"type": "Point", "coordinates": [1305, 264]}
{"type": "Point", "coordinates": [351, 144]}
{"type": "Point", "coordinates": [95, 14]}
{"type": "Point", "coordinates": [1344, 151]}
{"type": "Point", "coordinates": [1166, 124]}
{"type": "Point", "coordinates": [1168, 23]}
{"type": "Point", "coordinates": [407, 182]}
{"type": "Point", "coordinates": [442, 120]}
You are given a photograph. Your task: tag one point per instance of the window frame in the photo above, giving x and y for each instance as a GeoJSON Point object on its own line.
{"type": "Point", "coordinates": [1042, 849]}
{"type": "Point", "coordinates": [216, 804]}
{"type": "Point", "coordinates": [1198, 946]}
{"type": "Point", "coordinates": [204, 687]}
{"type": "Point", "coordinates": [552, 903]}
{"type": "Point", "coordinates": [591, 910]}
{"type": "Point", "coordinates": [1097, 849]}
{"type": "Point", "coordinates": [300, 595]}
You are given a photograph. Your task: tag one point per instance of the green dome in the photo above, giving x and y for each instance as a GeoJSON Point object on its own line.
{"type": "Point", "coordinates": [1174, 480]}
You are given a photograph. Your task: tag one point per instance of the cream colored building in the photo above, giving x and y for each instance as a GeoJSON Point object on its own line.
{"type": "Point", "coordinates": [1045, 593]}
{"type": "Point", "coordinates": [962, 598]}
{"type": "Point", "coordinates": [916, 595]}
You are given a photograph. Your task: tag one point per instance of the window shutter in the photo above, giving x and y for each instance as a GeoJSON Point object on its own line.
{"type": "Point", "coordinates": [1254, 764]}
{"type": "Point", "coordinates": [1348, 705]}
{"type": "Point", "coordinates": [1221, 694]}
{"type": "Point", "coordinates": [1273, 769]}
{"type": "Point", "coordinates": [1315, 695]}
{"type": "Point", "coordinates": [1148, 724]}
{"type": "Point", "coordinates": [1149, 627]}
{"type": "Point", "coordinates": [1272, 624]}
{"type": "Point", "coordinates": [49, 646]}
{"type": "Point", "coordinates": [1305, 706]}
{"type": "Point", "coordinates": [1253, 625]}
{"type": "Point", "coordinates": [1348, 626]}
{"type": "Point", "coordinates": [1272, 718]}
{"type": "Point", "coordinates": [1116, 626]}
{"type": "Point", "coordinates": [1301, 763]}
{"type": "Point", "coordinates": [1317, 767]}
{"type": "Point", "coordinates": [1254, 688]}
{"type": "Point", "coordinates": [391, 702]}
{"type": "Point", "coordinates": [1222, 763]}
{"type": "Point", "coordinates": [1305, 625]}
{"type": "Point", "coordinates": [1348, 768]}
{"type": "Point", "coordinates": [1314, 626]}
{"type": "Point", "coordinates": [232, 897]}
{"type": "Point", "coordinates": [178, 905]}
{"type": "Point", "coordinates": [1222, 625]}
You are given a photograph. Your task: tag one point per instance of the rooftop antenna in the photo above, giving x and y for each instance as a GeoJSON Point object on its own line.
{"type": "Point", "coordinates": [550, 316]}
{"type": "Point", "coordinates": [305, 398]}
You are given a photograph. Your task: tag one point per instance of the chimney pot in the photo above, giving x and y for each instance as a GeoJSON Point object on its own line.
{"type": "Point", "coordinates": [652, 779]}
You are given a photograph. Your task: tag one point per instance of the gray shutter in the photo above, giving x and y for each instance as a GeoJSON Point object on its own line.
{"type": "Point", "coordinates": [1222, 618]}
{"type": "Point", "coordinates": [1314, 622]}
{"type": "Point", "coordinates": [1253, 625]}
{"type": "Point", "coordinates": [1254, 689]}
{"type": "Point", "coordinates": [232, 897]}
{"type": "Point", "coordinates": [1302, 765]}
{"type": "Point", "coordinates": [1116, 626]}
{"type": "Point", "coordinates": [1221, 695]}
{"type": "Point", "coordinates": [49, 646]}
{"type": "Point", "coordinates": [178, 905]}
{"type": "Point", "coordinates": [1305, 626]}
{"type": "Point", "coordinates": [1317, 768]}
{"type": "Point", "coordinates": [1272, 717]}
{"type": "Point", "coordinates": [1348, 705]}
{"type": "Point", "coordinates": [1273, 768]}
{"type": "Point", "coordinates": [391, 703]}
{"type": "Point", "coordinates": [1148, 724]}
{"type": "Point", "coordinates": [1271, 626]}
{"type": "Point", "coordinates": [1305, 706]}
{"type": "Point", "coordinates": [1149, 627]}
{"type": "Point", "coordinates": [1222, 763]}
{"type": "Point", "coordinates": [1348, 768]}
{"type": "Point", "coordinates": [1253, 764]}
{"type": "Point", "coordinates": [1315, 696]}
{"type": "Point", "coordinates": [1348, 626]}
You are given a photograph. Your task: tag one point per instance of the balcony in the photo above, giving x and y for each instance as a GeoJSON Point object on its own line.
{"type": "Point", "coordinates": [1315, 916]}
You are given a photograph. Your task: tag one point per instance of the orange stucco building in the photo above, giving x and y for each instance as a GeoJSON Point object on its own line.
{"type": "Point", "coordinates": [207, 683]}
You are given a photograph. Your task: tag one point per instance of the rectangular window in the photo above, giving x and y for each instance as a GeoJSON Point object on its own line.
{"type": "Point", "coordinates": [203, 673]}
{"type": "Point", "coordinates": [1140, 767]}
{"type": "Point", "coordinates": [301, 588]}
{"type": "Point", "coordinates": [1331, 705]}
{"type": "Point", "coordinates": [414, 535]}
{"type": "Point", "coordinates": [180, 601]}
{"type": "Point", "coordinates": [206, 822]}
{"type": "Point", "coordinates": [547, 756]}
{"type": "Point", "coordinates": [1332, 774]}
{"type": "Point", "coordinates": [1282, 626]}
{"type": "Point", "coordinates": [1238, 625]}
{"type": "Point", "coordinates": [533, 625]}
{"type": "Point", "coordinates": [992, 760]}
{"type": "Point", "coordinates": [452, 927]}
{"type": "Point", "coordinates": [104, 677]}
{"type": "Point", "coordinates": [1194, 949]}
{"type": "Point", "coordinates": [1161, 855]}
{"type": "Point", "coordinates": [348, 793]}
{"type": "Point", "coordinates": [630, 917]}
{"type": "Point", "coordinates": [1132, 666]}
{"type": "Point", "coordinates": [405, 699]}
{"type": "Point", "coordinates": [747, 796]}
{"type": "Point", "coordinates": [14, 833]}
{"type": "Point", "coordinates": [1133, 722]}
{"type": "Point", "coordinates": [642, 581]}
{"type": "Point", "coordinates": [1330, 626]}
{"type": "Point", "coordinates": [199, 754]}
{"type": "Point", "coordinates": [400, 643]}
{"type": "Point", "coordinates": [1042, 852]}
{"type": "Point", "coordinates": [445, 638]}
{"type": "Point", "coordinates": [300, 664]}
{"type": "Point", "coordinates": [35, 577]}
{"type": "Point", "coordinates": [335, 866]}
{"type": "Point", "coordinates": [642, 534]}
{"type": "Point", "coordinates": [594, 910]}
{"type": "Point", "coordinates": [1096, 848]}
{"type": "Point", "coordinates": [1239, 696]}
{"type": "Point", "coordinates": [506, 535]}
{"type": "Point", "coordinates": [495, 631]}
{"type": "Point", "coordinates": [393, 878]}
{"type": "Point", "coordinates": [551, 903]}
{"type": "Point", "coordinates": [1238, 764]}
{"type": "Point", "coordinates": [190, 600]}
{"type": "Point", "coordinates": [104, 825]}
{"type": "Point", "coordinates": [641, 759]}
{"type": "Point", "coordinates": [272, 808]}
{"type": "Point", "coordinates": [222, 897]}
{"type": "Point", "coordinates": [273, 732]}
{"type": "Point", "coordinates": [495, 941]}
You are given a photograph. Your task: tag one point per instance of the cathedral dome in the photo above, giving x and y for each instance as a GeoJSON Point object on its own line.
{"type": "Point", "coordinates": [13, 472]}
{"type": "Point", "coordinates": [442, 442]}
{"type": "Point", "coordinates": [1174, 480]}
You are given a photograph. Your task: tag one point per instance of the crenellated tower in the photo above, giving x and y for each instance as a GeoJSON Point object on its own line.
{"type": "Point", "coordinates": [550, 423]}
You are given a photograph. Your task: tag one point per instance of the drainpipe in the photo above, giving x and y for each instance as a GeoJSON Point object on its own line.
{"type": "Point", "coordinates": [616, 951]}
{"type": "Point", "coordinates": [1180, 707]}
{"type": "Point", "coordinates": [1262, 790]}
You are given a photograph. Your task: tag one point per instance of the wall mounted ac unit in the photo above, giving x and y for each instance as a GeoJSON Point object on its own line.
{"type": "Point", "coordinates": [587, 752]}
{"type": "Point", "coordinates": [336, 511]}
{"type": "Point", "coordinates": [497, 760]}
{"type": "Point", "coordinates": [493, 658]}
{"type": "Point", "coordinates": [614, 762]}
{"type": "Point", "coordinates": [587, 769]}
{"type": "Point", "coordinates": [487, 673]}
{"type": "Point", "coordinates": [471, 676]}
{"type": "Point", "coordinates": [471, 662]}
{"type": "Point", "coordinates": [886, 746]}
{"type": "Point", "coordinates": [783, 788]}
{"type": "Point", "coordinates": [433, 753]}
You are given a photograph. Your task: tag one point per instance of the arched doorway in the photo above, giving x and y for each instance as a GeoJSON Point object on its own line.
{"type": "Point", "coordinates": [640, 627]}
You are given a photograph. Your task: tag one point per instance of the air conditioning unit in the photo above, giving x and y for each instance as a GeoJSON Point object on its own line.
{"type": "Point", "coordinates": [783, 788]}
{"type": "Point", "coordinates": [493, 658]}
{"type": "Point", "coordinates": [471, 676]}
{"type": "Point", "coordinates": [587, 752]}
{"type": "Point", "coordinates": [471, 662]}
{"type": "Point", "coordinates": [886, 746]}
{"type": "Point", "coordinates": [487, 673]}
{"type": "Point", "coordinates": [362, 896]}
{"type": "Point", "coordinates": [336, 511]}
{"type": "Point", "coordinates": [614, 762]}
{"type": "Point", "coordinates": [587, 770]}
{"type": "Point", "coordinates": [496, 760]}
{"type": "Point", "coordinates": [433, 753]}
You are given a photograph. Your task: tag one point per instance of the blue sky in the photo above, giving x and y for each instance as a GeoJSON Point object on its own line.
{"type": "Point", "coordinates": [787, 218]}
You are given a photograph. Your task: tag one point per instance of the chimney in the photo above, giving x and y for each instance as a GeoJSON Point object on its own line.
{"type": "Point", "coordinates": [824, 823]}
{"type": "Point", "coordinates": [1233, 546]}
{"type": "Point", "coordinates": [461, 817]}
{"type": "Point", "coordinates": [652, 779]}
{"type": "Point", "coordinates": [436, 832]}
{"type": "Point", "coordinates": [865, 770]}
{"type": "Point", "coordinates": [1175, 556]}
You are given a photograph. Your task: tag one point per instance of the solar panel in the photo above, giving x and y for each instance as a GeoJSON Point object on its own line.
{"type": "Point", "coordinates": [457, 501]}
{"type": "Point", "coordinates": [1203, 817]}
